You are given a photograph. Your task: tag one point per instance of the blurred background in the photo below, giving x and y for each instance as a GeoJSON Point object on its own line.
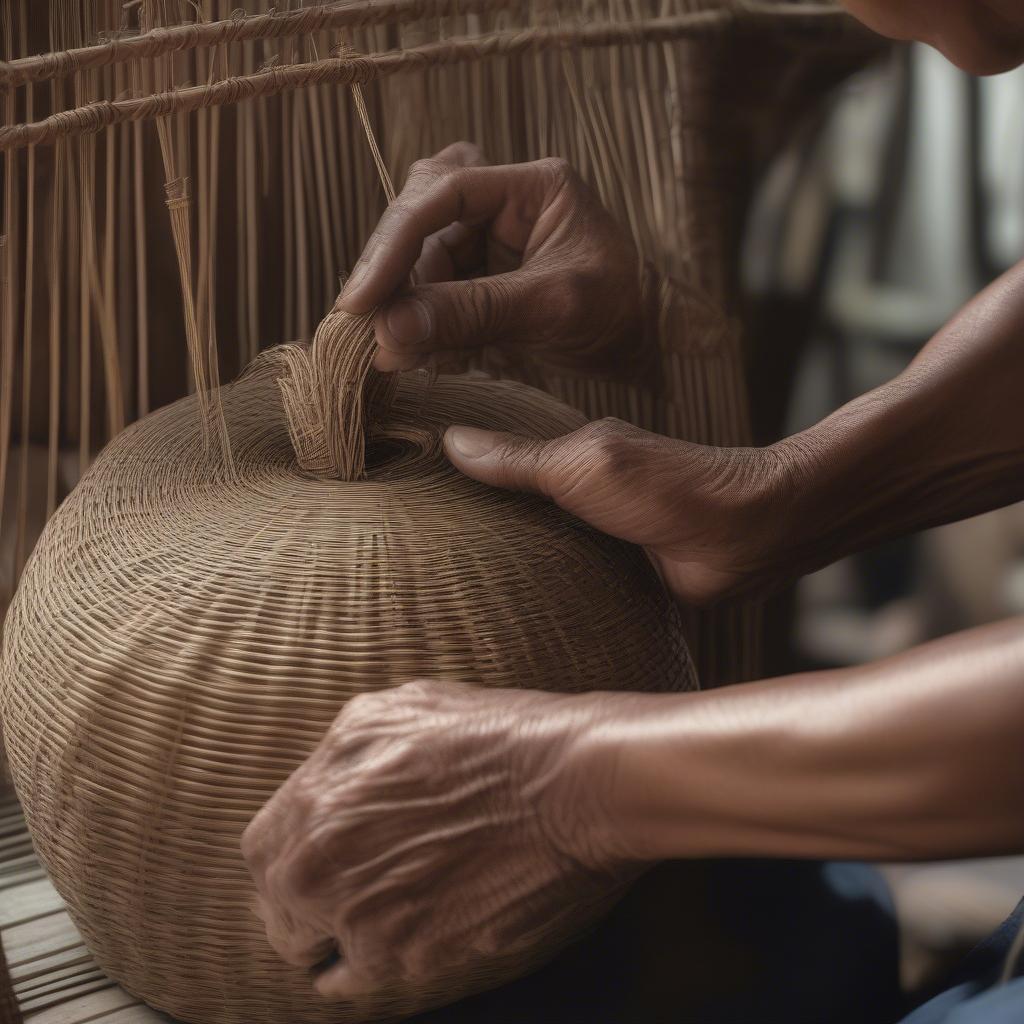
{"type": "Point", "coordinates": [893, 205]}
{"type": "Point", "coordinates": [886, 214]}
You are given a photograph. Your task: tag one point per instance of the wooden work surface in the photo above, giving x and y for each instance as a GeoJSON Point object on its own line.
{"type": "Point", "coordinates": [55, 978]}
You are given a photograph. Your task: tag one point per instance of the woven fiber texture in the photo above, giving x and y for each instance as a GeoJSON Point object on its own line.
{"type": "Point", "coordinates": [187, 628]}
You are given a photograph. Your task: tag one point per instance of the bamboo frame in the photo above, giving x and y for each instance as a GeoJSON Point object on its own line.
{"type": "Point", "coordinates": [285, 24]}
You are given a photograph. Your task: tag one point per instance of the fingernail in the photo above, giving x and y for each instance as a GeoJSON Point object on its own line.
{"type": "Point", "coordinates": [409, 322]}
{"type": "Point", "coordinates": [469, 442]}
{"type": "Point", "coordinates": [353, 280]}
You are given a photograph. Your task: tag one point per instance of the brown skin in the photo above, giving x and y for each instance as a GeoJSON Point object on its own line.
{"type": "Point", "coordinates": [399, 876]}
{"type": "Point", "coordinates": [521, 257]}
{"type": "Point", "coordinates": [983, 37]}
{"type": "Point", "coordinates": [436, 823]}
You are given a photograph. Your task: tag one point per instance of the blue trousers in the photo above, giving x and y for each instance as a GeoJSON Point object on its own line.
{"type": "Point", "coordinates": [975, 995]}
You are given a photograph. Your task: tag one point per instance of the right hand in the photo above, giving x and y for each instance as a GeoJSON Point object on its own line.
{"type": "Point", "coordinates": [436, 827]}
{"type": "Point", "coordinates": [521, 256]}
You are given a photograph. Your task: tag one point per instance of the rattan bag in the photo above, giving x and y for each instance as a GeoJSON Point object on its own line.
{"type": "Point", "coordinates": [189, 625]}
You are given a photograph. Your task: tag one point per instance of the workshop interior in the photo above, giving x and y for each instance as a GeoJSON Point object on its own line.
{"type": "Point", "coordinates": [221, 522]}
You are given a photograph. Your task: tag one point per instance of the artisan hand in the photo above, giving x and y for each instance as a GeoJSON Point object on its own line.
{"type": "Point", "coordinates": [438, 826]}
{"type": "Point", "coordinates": [942, 441]}
{"type": "Point", "coordinates": [518, 256]}
{"type": "Point", "coordinates": [713, 520]}
{"type": "Point", "coordinates": [433, 826]}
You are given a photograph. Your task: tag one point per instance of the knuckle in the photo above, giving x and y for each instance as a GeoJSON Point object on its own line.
{"type": "Point", "coordinates": [558, 168]}
{"type": "Point", "coordinates": [357, 709]}
{"type": "Point", "coordinates": [459, 181]}
{"type": "Point", "coordinates": [440, 186]}
{"type": "Point", "coordinates": [608, 429]}
{"type": "Point", "coordinates": [605, 448]}
{"type": "Point", "coordinates": [418, 688]}
{"type": "Point", "coordinates": [404, 755]}
{"type": "Point", "coordinates": [467, 151]}
{"type": "Point", "coordinates": [404, 207]}
{"type": "Point", "coordinates": [483, 308]}
{"type": "Point", "coordinates": [427, 168]}
{"type": "Point", "coordinates": [359, 701]}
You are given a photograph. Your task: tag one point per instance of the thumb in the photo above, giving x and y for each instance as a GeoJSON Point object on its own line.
{"type": "Point", "coordinates": [454, 316]}
{"type": "Point", "coordinates": [503, 460]}
{"type": "Point", "coordinates": [601, 472]}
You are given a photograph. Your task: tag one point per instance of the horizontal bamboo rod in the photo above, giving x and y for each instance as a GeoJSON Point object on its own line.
{"type": "Point", "coordinates": [348, 70]}
{"type": "Point", "coordinates": [277, 25]}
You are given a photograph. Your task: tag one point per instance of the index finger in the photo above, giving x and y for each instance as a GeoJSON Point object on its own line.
{"type": "Point", "coordinates": [435, 196]}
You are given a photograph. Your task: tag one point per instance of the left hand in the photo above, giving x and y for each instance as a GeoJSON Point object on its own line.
{"type": "Point", "coordinates": [435, 827]}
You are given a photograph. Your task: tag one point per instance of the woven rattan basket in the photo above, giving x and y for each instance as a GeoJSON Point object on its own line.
{"type": "Point", "coordinates": [184, 635]}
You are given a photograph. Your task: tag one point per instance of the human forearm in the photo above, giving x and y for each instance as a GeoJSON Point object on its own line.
{"type": "Point", "coordinates": [917, 756]}
{"type": "Point", "coordinates": [941, 442]}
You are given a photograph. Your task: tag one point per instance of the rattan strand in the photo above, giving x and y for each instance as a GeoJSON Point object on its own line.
{"type": "Point", "coordinates": [662, 131]}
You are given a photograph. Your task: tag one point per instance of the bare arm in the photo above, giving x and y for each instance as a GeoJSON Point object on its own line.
{"type": "Point", "coordinates": [941, 442]}
{"type": "Point", "coordinates": [548, 800]}
{"type": "Point", "coordinates": [481, 814]}
{"type": "Point", "coordinates": [918, 756]}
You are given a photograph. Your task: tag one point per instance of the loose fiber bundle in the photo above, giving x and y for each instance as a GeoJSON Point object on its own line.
{"type": "Point", "coordinates": [186, 630]}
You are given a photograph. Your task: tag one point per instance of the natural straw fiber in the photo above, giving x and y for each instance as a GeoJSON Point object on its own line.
{"type": "Point", "coordinates": [185, 632]}
{"type": "Point", "coordinates": [283, 24]}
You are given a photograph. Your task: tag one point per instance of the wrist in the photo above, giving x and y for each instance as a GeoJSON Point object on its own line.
{"type": "Point", "coordinates": [723, 773]}
{"type": "Point", "coordinates": [767, 495]}
{"type": "Point", "coordinates": [647, 780]}
{"type": "Point", "coordinates": [591, 814]}
{"type": "Point", "coordinates": [853, 478]}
